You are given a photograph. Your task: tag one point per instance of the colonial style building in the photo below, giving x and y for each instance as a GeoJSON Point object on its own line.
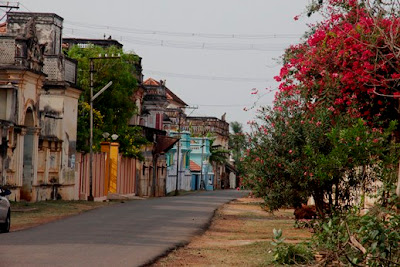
{"type": "Point", "coordinates": [38, 108]}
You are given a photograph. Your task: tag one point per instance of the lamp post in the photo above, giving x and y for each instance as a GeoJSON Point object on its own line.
{"type": "Point", "coordinates": [92, 98]}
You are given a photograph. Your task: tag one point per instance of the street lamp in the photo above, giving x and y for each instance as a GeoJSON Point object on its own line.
{"type": "Point", "coordinates": [92, 98]}
{"type": "Point", "coordinates": [114, 137]}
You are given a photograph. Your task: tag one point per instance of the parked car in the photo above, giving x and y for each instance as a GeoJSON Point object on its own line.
{"type": "Point", "coordinates": [5, 211]}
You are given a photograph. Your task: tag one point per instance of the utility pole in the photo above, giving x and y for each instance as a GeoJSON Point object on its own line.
{"type": "Point", "coordinates": [202, 183]}
{"type": "Point", "coordinates": [6, 4]}
{"type": "Point", "coordinates": [177, 154]}
{"type": "Point", "coordinates": [92, 98]}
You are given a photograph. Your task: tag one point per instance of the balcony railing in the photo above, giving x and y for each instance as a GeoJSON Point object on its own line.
{"type": "Point", "coordinates": [60, 68]}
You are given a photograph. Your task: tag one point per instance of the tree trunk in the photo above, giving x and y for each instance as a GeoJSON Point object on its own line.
{"type": "Point", "coordinates": [398, 183]}
{"type": "Point", "coordinates": [319, 204]}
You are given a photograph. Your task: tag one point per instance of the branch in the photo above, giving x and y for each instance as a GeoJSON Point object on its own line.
{"type": "Point", "coordinates": [354, 241]}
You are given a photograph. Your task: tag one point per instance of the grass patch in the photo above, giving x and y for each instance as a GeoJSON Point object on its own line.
{"type": "Point", "coordinates": [240, 235]}
{"type": "Point", "coordinates": [28, 214]}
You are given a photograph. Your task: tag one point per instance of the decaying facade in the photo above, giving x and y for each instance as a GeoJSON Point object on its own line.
{"type": "Point", "coordinates": [38, 108]}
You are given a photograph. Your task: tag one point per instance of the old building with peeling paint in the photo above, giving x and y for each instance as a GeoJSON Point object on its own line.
{"type": "Point", "coordinates": [38, 109]}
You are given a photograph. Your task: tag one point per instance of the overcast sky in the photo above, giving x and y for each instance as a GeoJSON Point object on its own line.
{"type": "Point", "coordinates": [196, 46]}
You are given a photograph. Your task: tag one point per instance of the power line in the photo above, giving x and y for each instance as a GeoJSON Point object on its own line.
{"type": "Point", "coordinates": [197, 45]}
{"type": "Point", "coordinates": [202, 45]}
{"type": "Point", "coordinates": [231, 105]}
{"type": "Point", "coordinates": [184, 34]}
{"type": "Point", "coordinates": [205, 77]}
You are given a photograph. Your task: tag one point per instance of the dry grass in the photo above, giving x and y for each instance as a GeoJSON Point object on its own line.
{"type": "Point", "coordinates": [240, 235]}
{"type": "Point", "coordinates": [25, 214]}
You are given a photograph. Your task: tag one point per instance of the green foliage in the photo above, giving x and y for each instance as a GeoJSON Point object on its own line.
{"type": "Point", "coordinates": [83, 133]}
{"type": "Point", "coordinates": [293, 154]}
{"type": "Point", "coordinates": [371, 239]}
{"type": "Point", "coordinates": [115, 105]}
{"type": "Point", "coordinates": [237, 144]}
{"type": "Point", "coordinates": [290, 253]}
{"type": "Point", "coordinates": [218, 154]}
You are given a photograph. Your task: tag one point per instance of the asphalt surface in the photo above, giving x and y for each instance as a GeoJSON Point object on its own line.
{"type": "Point", "coordinates": [128, 234]}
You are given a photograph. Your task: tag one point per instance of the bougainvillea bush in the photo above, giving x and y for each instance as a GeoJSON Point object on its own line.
{"type": "Point", "coordinates": [333, 133]}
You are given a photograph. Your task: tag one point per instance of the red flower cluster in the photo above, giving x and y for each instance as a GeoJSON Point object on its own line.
{"type": "Point", "coordinates": [349, 63]}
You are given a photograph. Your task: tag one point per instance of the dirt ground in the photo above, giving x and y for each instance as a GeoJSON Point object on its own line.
{"type": "Point", "coordinates": [239, 235]}
{"type": "Point", "coordinates": [26, 214]}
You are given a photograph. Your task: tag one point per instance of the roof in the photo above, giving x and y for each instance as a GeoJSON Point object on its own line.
{"type": "Point", "coordinates": [37, 15]}
{"type": "Point", "coordinates": [151, 82]}
{"type": "Point", "coordinates": [174, 97]}
{"type": "Point", "coordinates": [3, 27]}
{"type": "Point", "coordinates": [194, 166]}
{"type": "Point", "coordinates": [170, 95]}
{"type": "Point", "coordinates": [100, 42]}
{"type": "Point", "coordinates": [164, 143]}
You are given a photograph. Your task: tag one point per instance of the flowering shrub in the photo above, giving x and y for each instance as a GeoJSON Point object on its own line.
{"type": "Point", "coordinates": [333, 129]}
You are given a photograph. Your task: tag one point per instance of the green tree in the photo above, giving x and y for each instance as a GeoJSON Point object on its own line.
{"type": "Point", "coordinates": [237, 140]}
{"type": "Point", "coordinates": [115, 106]}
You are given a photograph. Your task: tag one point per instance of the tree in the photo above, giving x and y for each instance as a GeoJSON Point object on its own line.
{"type": "Point", "coordinates": [331, 88]}
{"type": "Point", "coordinates": [237, 140]}
{"type": "Point", "coordinates": [115, 106]}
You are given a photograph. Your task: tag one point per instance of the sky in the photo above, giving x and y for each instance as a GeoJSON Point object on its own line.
{"type": "Point", "coordinates": [212, 53]}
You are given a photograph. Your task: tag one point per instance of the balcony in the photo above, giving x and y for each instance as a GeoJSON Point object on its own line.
{"type": "Point", "coordinates": [60, 69]}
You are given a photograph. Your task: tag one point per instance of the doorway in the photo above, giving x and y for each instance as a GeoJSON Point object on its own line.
{"type": "Point", "coordinates": [27, 174]}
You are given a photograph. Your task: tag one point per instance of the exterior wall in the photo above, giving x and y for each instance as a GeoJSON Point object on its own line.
{"type": "Point", "coordinates": [22, 133]}
{"type": "Point", "coordinates": [200, 153]}
{"type": "Point", "coordinates": [49, 129]}
{"type": "Point", "coordinates": [185, 176]}
{"type": "Point", "coordinates": [232, 180]}
{"type": "Point", "coordinates": [48, 28]}
{"type": "Point", "coordinates": [201, 126]}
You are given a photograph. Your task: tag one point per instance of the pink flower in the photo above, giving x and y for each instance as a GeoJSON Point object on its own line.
{"type": "Point", "coordinates": [290, 151]}
{"type": "Point", "coordinates": [296, 17]}
{"type": "Point", "coordinates": [358, 138]}
{"type": "Point", "coordinates": [318, 123]}
{"type": "Point", "coordinates": [331, 108]}
{"type": "Point", "coordinates": [376, 140]}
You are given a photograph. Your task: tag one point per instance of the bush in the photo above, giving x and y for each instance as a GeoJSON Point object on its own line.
{"type": "Point", "coordinates": [290, 253]}
{"type": "Point", "coordinates": [372, 239]}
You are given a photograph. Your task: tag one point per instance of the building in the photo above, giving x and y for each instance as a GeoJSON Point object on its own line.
{"type": "Point", "coordinates": [86, 42]}
{"type": "Point", "coordinates": [202, 171]}
{"type": "Point", "coordinates": [218, 130]}
{"type": "Point", "coordinates": [212, 126]}
{"type": "Point", "coordinates": [178, 163]}
{"type": "Point", "coordinates": [39, 116]}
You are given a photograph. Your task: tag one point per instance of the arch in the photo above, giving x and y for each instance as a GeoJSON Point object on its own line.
{"type": "Point", "coordinates": [29, 118]}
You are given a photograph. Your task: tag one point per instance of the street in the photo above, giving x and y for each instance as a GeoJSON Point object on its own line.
{"type": "Point", "coordinates": [128, 234]}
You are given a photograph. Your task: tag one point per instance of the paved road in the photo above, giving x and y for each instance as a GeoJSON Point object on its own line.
{"type": "Point", "coordinates": [127, 234]}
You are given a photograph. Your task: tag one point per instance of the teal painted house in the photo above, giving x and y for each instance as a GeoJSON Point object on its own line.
{"type": "Point", "coordinates": [202, 171]}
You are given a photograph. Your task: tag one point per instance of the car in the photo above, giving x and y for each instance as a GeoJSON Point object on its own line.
{"type": "Point", "coordinates": [5, 211]}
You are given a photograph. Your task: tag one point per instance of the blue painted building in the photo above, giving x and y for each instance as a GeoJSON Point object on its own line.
{"type": "Point", "coordinates": [202, 171]}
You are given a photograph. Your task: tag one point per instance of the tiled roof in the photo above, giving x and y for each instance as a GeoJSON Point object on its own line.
{"type": "Point", "coordinates": [3, 27]}
{"type": "Point", "coordinates": [194, 167]}
{"type": "Point", "coordinates": [152, 82]}
{"type": "Point", "coordinates": [170, 95]}
{"type": "Point", "coordinates": [174, 97]}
